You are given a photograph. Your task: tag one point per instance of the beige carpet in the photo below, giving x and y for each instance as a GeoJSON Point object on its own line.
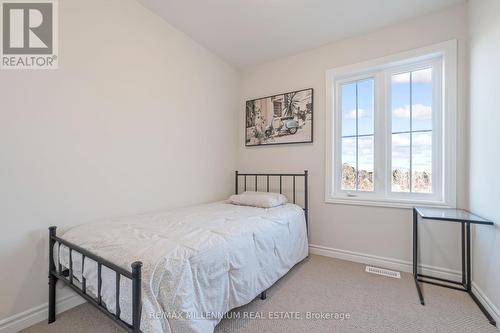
{"type": "Point", "coordinates": [326, 286]}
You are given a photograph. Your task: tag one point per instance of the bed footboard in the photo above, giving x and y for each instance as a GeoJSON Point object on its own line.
{"type": "Point", "coordinates": [57, 273]}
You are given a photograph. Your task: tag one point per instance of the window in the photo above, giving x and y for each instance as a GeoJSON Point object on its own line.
{"type": "Point", "coordinates": [391, 130]}
{"type": "Point", "coordinates": [411, 130]}
{"type": "Point", "coordinates": [357, 135]}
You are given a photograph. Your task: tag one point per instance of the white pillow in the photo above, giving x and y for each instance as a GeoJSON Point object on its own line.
{"type": "Point", "coordinates": [258, 199]}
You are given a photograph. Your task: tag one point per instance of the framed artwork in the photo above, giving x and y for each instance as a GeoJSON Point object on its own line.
{"type": "Point", "coordinates": [280, 119]}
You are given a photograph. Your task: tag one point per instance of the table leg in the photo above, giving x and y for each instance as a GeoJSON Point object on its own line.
{"type": "Point", "coordinates": [468, 285]}
{"type": "Point", "coordinates": [415, 256]}
{"type": "Point", "coordinates": [414, 244]}
{"type": "Point", "coordinates": [463, 255]}
{"type": "Point", "coordinates": [483, 310]}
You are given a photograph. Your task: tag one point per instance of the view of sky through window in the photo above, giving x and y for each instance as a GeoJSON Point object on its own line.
{"type": "Point", "coordinates": [412, 131]}
{"type": "Point", "coordinates": [411, 124]}
{"type": "Point", "coordinates": [357, 105]}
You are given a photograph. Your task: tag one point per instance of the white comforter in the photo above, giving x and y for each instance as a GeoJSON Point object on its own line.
{"type": "Point", "coordinates": [198, 262]}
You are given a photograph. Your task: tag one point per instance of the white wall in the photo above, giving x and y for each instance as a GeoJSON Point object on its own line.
{"type": "Point", "coordinates": [138, 117]}
{"type": "Point", "coordinates": [484, 156]}
{"type": "Point", "coordinates": [384, 232]}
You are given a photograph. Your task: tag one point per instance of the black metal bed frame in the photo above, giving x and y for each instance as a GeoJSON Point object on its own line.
{"type": "Point", "coordinates": [135, 274]}
{"type": "Point", "coordinates": [66, 276]}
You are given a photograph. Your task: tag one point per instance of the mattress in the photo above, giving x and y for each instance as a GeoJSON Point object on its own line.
{"type": "Point", "coordinates": [198, 262]}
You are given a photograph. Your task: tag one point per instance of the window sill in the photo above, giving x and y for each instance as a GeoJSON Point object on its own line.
{"type": "Point", "coordinates": [405, 204]}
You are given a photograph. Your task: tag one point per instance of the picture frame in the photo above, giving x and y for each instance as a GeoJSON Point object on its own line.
{"type": "Point", "coordinates": [285, 118]}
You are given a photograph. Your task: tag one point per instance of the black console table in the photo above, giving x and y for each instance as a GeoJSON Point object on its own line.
{"type": "Point", "coordinates": [450, 215]}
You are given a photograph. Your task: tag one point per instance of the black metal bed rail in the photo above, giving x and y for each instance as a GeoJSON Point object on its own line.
{"type": "Point", "coordinates": [268, 176]}
{"type": "Point", "coordinates": [66, 276]}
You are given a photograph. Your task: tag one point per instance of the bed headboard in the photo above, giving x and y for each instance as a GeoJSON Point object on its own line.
{"type": "Point", "coordinates": [269, 182]}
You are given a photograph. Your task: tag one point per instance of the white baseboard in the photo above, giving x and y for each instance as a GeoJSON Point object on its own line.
{"type": "Point", "coordinates": [383, 262]}
{"type": "Point", "coordinates": [37, 314]}
{"type": "Point", "coordinates": [488, 305]}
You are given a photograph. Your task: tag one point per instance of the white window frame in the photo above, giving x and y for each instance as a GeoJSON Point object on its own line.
{"type": "Point", "coordinates": [443, 58]}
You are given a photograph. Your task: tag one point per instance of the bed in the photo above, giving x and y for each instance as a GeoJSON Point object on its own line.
{"type": "Point", "coordinates": [181, 270]}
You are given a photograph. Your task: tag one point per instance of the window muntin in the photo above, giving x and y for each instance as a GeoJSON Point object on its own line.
{"type": "Point", "coordinates": [357, 138]}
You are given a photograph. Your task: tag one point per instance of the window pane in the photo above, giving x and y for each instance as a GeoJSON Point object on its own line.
{"type": "Point", "coordinates": [365, 107]}
{"type": "Point", "coordinates": [400, 93]}
{"type": "Point", "coordinates": [348, 101]}
{"type": "Point", "coordinates": [401, 162]}
{"type": "Point", "coordinates": [365, 163]}
{"type": "Point", "coordinates": [349, 164]}
{"type": "Point", "coordinates": [421, 90]}
{"type": "Point", "coordinates": [422, 162]}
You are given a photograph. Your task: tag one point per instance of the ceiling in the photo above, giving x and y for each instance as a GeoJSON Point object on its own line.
{"type": "Point", "coordinates": [248, 32]}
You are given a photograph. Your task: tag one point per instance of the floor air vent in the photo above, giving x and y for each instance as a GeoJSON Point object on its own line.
{"type": "Point", "coordinates": [384, 272]}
